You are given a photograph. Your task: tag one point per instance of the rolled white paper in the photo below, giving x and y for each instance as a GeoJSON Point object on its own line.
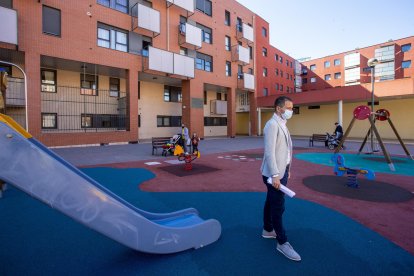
{"type": "Point", "coordinates": [282, 188]}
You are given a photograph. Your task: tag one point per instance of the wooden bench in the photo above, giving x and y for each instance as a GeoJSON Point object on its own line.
{"type": "Point", "coordinates": [158, 142]}
{"type": "Point", "coordinates": [317, 138]}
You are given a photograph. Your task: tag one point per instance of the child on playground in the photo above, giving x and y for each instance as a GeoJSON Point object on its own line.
{"type": "Point", "coordinates": [194, 141]}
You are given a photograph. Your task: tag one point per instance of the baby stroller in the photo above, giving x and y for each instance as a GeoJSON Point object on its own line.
{"type": "Point", "coordinates": [332, 142]}
{"type": "Point", "coordinates": [170, 147]}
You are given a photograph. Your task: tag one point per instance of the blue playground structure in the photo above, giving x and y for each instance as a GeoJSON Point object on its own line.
{"type": "Point", "coordinates": [36, 170]}
{"type": "Point", "coordinates": [340, 169]}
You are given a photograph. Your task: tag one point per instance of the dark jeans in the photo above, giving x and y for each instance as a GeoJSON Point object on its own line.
{"type": "Point", "coordinates": [274, 208]}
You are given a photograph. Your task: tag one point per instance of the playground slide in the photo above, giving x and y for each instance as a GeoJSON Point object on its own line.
{"type": "Point", "coordinates": [31, 167]}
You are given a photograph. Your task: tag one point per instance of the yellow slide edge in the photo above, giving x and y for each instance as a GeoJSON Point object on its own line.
{"type": "Point", "coordinates": [11, 123]}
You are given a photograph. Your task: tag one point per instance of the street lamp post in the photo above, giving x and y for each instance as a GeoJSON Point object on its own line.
{"type": "Point", "coordinates": [372, 62]}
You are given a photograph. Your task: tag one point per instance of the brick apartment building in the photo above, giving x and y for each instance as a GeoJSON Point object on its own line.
{"type": "Point", "coordinates": [118, 71]}
{"type": "Point", "coordinates": [110, 71]}
{"type": "Point", "coordinates": [332, 86]}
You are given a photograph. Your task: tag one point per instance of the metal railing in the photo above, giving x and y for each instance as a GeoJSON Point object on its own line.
{"type": "Point", "coordinates": [75, 109]}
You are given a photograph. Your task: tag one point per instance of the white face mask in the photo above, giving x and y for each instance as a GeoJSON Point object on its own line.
{"type": "Point", "coordinates": [288, 114]}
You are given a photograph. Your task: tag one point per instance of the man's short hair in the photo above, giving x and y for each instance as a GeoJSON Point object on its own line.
{"type": "Point", "coordinates": [336, 123]}
{"type": "Point", "coordinates": [280, 101]}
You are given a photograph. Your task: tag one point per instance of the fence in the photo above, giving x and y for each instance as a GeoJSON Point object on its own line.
{"type": "Point", "coordinates": [74, 109]}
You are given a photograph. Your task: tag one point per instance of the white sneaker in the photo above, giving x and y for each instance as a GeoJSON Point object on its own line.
{"type": "Point", "coordinates": [269, 235]}
{"type": "Point", "coordinates": [287, 250]}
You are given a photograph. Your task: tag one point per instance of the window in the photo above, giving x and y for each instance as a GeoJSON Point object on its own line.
{"type": "Point", "coordinates": [227, 20]}
{"type": "Point", "coordinates": [281, 59]}
{"type": "Point", "coordinates": [114, 84]}
{"type": "Point", "coordinates": [337, 62]}
{"type": "Point", "coordinates": [277, 72]}
{"type": "Point", "coordinates": [49, 120]}
{"type": "Point", "coordinates": [277, 87]}
{"type": "Point", "coordinates": [264, 52]}
{"type": "Point", "coordinates": [327, 64]}
{"type": "Point", "coordinates": [313, 80]}
{"type": "Point", "coordinates": [265, 92]}
{"type": "Point", "coordinates": [281, 87]}
{"type": "Point", "coordinates": [51, 21]}
{"type": "Point", "coordinates": [304, 80]}
{"type": "Point", "coordinates": [250, 71]}
{"type": "Point", "coordinates": [281, 73]}
{"type": "Point", "coordinates": [287, 89]}
{"type": "Point", "coordinates": [146, 43]}
{"type": "Point", "coordinates": [250, 52]}
{"type": "Point", "coordinates": [264, 32]}
{"type": "Point", "coordinates": [204, 62]}
{"type": "Point", "coordinates": [296, 110]}
{"type": "Point", "coordinates": [215, 121]}
{"type": "Point", "coordinates": [119, 5]}
{"type": "Point", "coordinates": [183, 51]}
{"type": "Point", "coordinates": [113, 38]}
{"type": "Point", "coordinates": [48, 80]}
{"type": "Point", "coordinates": [218, 96]}
{"type": "Point", "coordinates": [227, 43]}
{"type": "Point", "coordinates": [287, 75]}
{"type": "Point", "coordinates": [89, 85]}
{"type": "Point", "coordinates": [406, 64]}
{"type": "Point", "coordinates": [204, 6]}
{"type": "Point", "coordinates": [206, 33]}
{"type": "Point", "coordinates": [291, 65]}
{"type": "Point", "coordinates": [205, 97]}
{"type": "Point", "coordinates": [168, 121]}
{"type": "Point", "coordinates": [172, 94]}
{"type": "Point", "coordinates": [239, 24]}
{"type": "Point", "coordinates": [86, 120]}
{"type": "Point", "coordinates": [228, 68]}
{"type": "Point", "coordinates": [276, 57]}
{"type": "Point", "coordinates": [312, 67]}
{"type": "Point", "coordinates": [264, 72]}
{"type": "Point", "coordinates": [406, 47]}
{"type": "Point", "coordinates": [328, 77]}
{"type": "Point", "coordinates": [337, 76]}
{"type": "Point", "coordinates": [287, 63]}
{"type": "Point", "coordinates": [6, 4]}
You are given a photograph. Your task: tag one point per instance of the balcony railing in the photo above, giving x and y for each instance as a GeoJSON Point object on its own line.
{"type": "Point", "coordinates": [168, 62]}
{"type": "Point", "coordinates": [240, 54]}
{"type": "Point", "coordinates": [8, 33]}
{"type": "Point", "coordinates": [15, 93]}
{"type": "Point", "coordinates": [245, 32]}
{"type": "Point", "coordinates": [245, 81]}
{"type": "Point", "coordinates": [189, 35]}
{"type": "Point", "coordinates": [145, 18]}
{"type": "Point", "coordinates": [68, 110]}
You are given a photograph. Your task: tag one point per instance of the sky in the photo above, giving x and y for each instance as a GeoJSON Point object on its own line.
{"type": "Point", "coordinates": [318, 28]}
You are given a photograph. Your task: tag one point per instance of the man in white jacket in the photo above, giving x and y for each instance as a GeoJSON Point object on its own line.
{"type": "Point", "coordinates": [276, 165]}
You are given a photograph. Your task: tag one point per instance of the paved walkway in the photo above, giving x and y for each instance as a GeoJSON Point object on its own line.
{"type": "Point", "coordinates": [84, 156]}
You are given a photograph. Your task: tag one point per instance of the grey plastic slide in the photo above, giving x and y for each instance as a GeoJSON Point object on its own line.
{"type": "Point", "coordinates": [31, 167]}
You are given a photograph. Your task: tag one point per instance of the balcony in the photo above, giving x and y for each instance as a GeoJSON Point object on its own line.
{"type": "Point", "coordinates": [240, 54]}
{"type": "Point", "coordinates": [245, 81]}
{"type": "Point", "coordinates": [189, 36]}
{"type": "Point", "coordinates": [145, 19]}
{"type": "Point", "coordinates": [168, 62]}
{"type": "Point", "coordinates": [8, 32]}
{"type": "Point", "coordinates": [218, 107]}
{"type": "Point", "coordinates": [15, 96]}
{"type": "Point", "coordinates": [245, 33]}
{"type": "Point", "coordinates": [187, 5]}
